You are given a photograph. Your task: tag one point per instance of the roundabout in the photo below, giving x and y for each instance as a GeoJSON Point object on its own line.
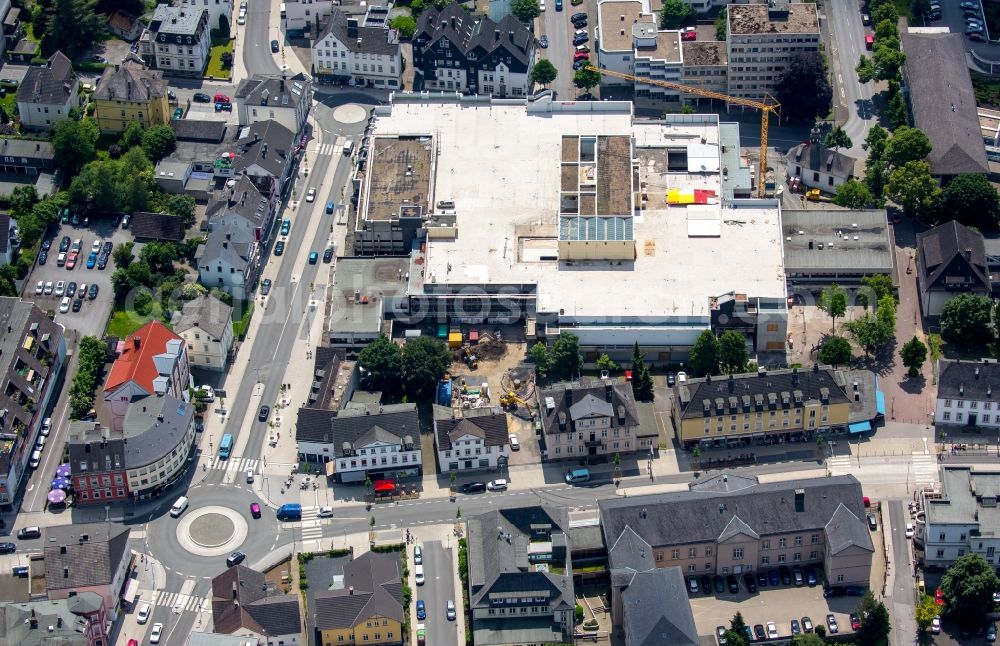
{"type": "Point", "coordinates": [211, 531]}
{"type": "Point", "coordinates": [350, 113]}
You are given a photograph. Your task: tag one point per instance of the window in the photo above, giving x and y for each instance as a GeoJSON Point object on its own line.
{"type": "Point", "coordinates": [940, 554]}
{"type": "Point", "coordinates": [691, 567]}
{"type": "Point", "coordinates": [708, 551]}
{"type": "Point", "coordinates": [947, 403]}
{"type": "Point", "coordinates": [814, 539]}
{"type": "Point", "coordinates": [782, 542]}
{"type": "Point", "coordinates": [947, 416]}
{"type": "Point", "coordinates": [840, 578]}
{"type": "Point", "coordinates": [737, 552]}
{"type": "Point", "coordinates": [765, 560]}
{"type": "Point", "coordinates": [765, 544]}
{"type": "Point", "coordinates": [798, 541]}
{"type": "Point", "coordinates": [675, 554]}
{"type": "Point", "coordinates": [692, 552]}
{"type": "Point", "coordinates": [781, 558]}
{"type": "Point", "coordinates": [797, 557]}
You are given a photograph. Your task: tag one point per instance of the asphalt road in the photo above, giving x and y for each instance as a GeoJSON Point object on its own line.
{"type": "Point", "coordinates": [900, 601]}
{"type": "Point", "coordinates": [256, 44]}
{"type": "Point", "coordinates": [436, 592]}
{"type": "Point", "coordinates": [556, 25]}
{"type": "Point", "coordinates": [848, 34]}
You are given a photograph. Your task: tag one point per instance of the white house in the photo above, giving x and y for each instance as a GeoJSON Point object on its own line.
{"type": "Point", "coordinates": [345, 52]}
{"type": "Point", "coordinates": [962, 517]}
{"type": "Point", "coordinates": [216, 9]}
{"type": "Point", "coordinates": [470, 440]}
{"type": "Point", "coordinates": [48, 93]}
{"type": "Point", "coordinates": [304, 16]}
{"type": "Point", "coordinates": [377, 442]}
{"type": "Point", "coordinates": [206, 326]}
{"type": "Point", "coordinates": [177, 41]}
{"type": "Point", "coordinates": [968, 394]}
{"type": "Point", "coordinates": [819, 167]}
{"type": "Point", "coordinates": [264, 98]}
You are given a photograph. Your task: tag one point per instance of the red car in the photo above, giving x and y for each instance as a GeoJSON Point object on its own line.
{"type": "Point", "coordinates": [939, 597]}
{"type": "Point", "coordinates": [581, 56]}
{"type": "Point", "coordinates": [221, 98]}
{"type": "Point", "coordinates": [133, 642]}
{"type": "Point", "coordinates": [71, 260]}
{"type": "Point", "coordinates": [255, 510]}
{"type": "Point", "coordinates": [855, 622]}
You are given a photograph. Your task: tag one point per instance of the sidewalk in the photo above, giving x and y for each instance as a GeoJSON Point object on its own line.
{"type": "Point", "coordinates": [285, 58]}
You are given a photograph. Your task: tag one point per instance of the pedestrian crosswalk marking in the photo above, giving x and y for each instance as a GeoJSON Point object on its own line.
{"type": "Point", "coordinates": [179, 602]}
{"type": "Point", "coordinates": [236, 464]}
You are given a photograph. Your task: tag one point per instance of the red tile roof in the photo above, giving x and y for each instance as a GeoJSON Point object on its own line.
{"type": "Point", "coordinates": [135, 363]}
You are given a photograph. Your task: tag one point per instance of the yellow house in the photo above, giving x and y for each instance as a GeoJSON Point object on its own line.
{"type": "Point", "coordinates": [130, 92]}
{"type": "Point", "coordinates": [771, 406]}
{"type": "Point", "coordinates": [368, 609]}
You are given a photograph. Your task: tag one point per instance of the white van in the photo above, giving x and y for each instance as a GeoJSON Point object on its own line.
{"type": "Point", "coordinates": [179, 506]}
{"type": "Point", "coordinates": [348, 147]}
{"type": "Point", "coordinates": [418, 574]}
{"type": "Point", "coordinates": [36, 457]}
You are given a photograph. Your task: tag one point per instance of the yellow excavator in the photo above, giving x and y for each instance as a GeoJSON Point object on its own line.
{"type": "Point", "coordinates": [511, 400]}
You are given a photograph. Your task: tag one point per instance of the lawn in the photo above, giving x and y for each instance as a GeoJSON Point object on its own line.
{"type": "Point", "coordinates": [903, 8]}
{"type": "Point", "coordinates": [987, 90]}
{"type": "Point", "coordinates": [124, 323]}
{"type": "Point", "coordinates": [214, 68]}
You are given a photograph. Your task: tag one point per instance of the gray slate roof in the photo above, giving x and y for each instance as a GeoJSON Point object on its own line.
{"type": "Point", "coordinates": [260, 608]}
{"type": "Point", "coordinates": [656, 610]}
{"type": "Point", "coordinates": [680, 518]}
{"type": "Point", "coordinates": [394, 423]}
{"type": "Point", "coordinates": [372, 586]}
{"type": "Point", "coordinates": [208, 313]}
{"type": "Point", "coordinates": [367, 40]}
{"type": "Point", "coordinates": [573, 401]}
{"type": "Point", "coordinates": [267, 144]}
{"type": "Point", "coordinates": [130, 82]}
{"type": "Point", "coordinates": [149, 437]}
{"type": "Point", "coordinates": [198, 130]}
{"type": "Point", "coordinates": [244, 200]}
{"type": "Point", "coordinates": [817, 157]}
{"type": "Point", "coordinates": [184, 20]}
{"type": "Point", "coordinates": [938, 247]}
{"type": "Point", "coordinates": [968, 380]}
{"type": "Point", "coordinates": [72, 563]}
{"type": "Point", "coordinates": [26, 148]}
{"type": "Point", "coordinates": [488, 424]}
{"type": "Point", "coordinates": [846, 530]}
{"type": "Point", "coordinates": [468, 32]}
{"type": "Point", "coordinates": [52, 83]}
{"type": "Point", "coordinates": [157, 226]}
{"type": "Point", "coordinates": [16, 628]}
{"type": "Point", "coordinates": [944, 103]}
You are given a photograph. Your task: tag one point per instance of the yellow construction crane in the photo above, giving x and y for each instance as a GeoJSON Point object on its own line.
{"type": "Point", "coordinates": [765, 111]}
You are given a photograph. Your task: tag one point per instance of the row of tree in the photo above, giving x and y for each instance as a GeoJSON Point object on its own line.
{"type": "Point", "coordinates": [710, 354]}
{"type": "Point", "coordinates": [886, 61]}
{"type": "Point", "coordinates": [563, 361]}
{"type": "Point", "coordinates": [92, 355]}
{"type": "Point", "coordinates": [413, 370]}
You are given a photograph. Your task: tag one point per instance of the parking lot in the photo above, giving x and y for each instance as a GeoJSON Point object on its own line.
{"type": "Point", "coordinates": [93, 314]}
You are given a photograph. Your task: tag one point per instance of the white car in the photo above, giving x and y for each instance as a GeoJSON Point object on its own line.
{"type": "Point", "coordinates": [60, 288]}
{"type": "Point", "coordinates": [311, 195]}
{"type": "Point", "coordinates": [48, 288]}
{"type": "Point", "coordinates": [65, 304]}
{"type": "Point", "coordinates": [514, 444]}
{"type": "Point", "coordinates": [936, 625]}
{"type": "Point", "coordinates": [46, 427]}
{"type": "Point", "coordinates": [497, 485]}
{"type": "Point", "coordinates": [208, 393]}
{"type": "Point", "coordinates": [154, 636]}
{"type": "Point", "coordinates": [325, 512]}
{"type": "Point", "coordinates": [772, 630]}
{"type": "Point", "coordinates": [39, 288]}
{"type": "Point", "coordinates": [249, 476]}
{"type": "Point", "coordinates": [242, 20]}
{"type": "Point", "coordinates": [909, 530]}
{"type": "Point", "coordinates": [143, 614]}
{"type": "Point", "coordinates": [96, 247]}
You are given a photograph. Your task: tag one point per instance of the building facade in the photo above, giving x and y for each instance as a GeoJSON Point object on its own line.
{"type": "Point", "coordinates": [206, 326]}
{"type": "Point", "coordinates": [951, 260]}
{"type": "Point", "coordinates": [961, 517]}
{"type": "Point", "coordinates": [349, 54]}
{"type": "Point", "coordinates": [817, 166]}
{"type": "Point", "coordinates": [965, 394]}
{"type": "Point", "coordinates": [130, 92]}
{"type": "Point", "coordinates": [264, 98]}
{"type": "Point", "coordinates": [216, 10]}
{"type": "Point", "coordinates": [471, 440]}
{"type": "Point", "coordinates": [304, 17]}
{"type": "Point", "coordinates": [178, 40]}
{"type": "Point", "coordinates": [48, 93]}
{"type": "Point", "coordinates": [586, 420]}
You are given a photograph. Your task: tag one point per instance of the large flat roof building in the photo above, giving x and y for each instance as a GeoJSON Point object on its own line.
{"type": "Point", "coordinates": [824, 247]}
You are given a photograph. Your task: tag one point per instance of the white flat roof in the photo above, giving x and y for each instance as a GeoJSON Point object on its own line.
{"type": "Point", "coordinates": [500, 163]}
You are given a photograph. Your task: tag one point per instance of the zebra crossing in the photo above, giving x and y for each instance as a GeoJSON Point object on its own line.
{"type": "Point", "coordinates": [178, 601]}
{"type": "Point", "coordinates": [311, 526]}
{"type": "Point", "coordinates": [925, 468]}
{"type": "Point", "coordinates": [918, 468]}
{"type": "Point", "coordinates": [329, 148]}
{"type": "Point", "coordinates": [236, 465]}
{"type": "Point", "coordinates": [839, 465]}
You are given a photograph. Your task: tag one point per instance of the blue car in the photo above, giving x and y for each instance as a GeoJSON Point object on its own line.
{"type": "Point", "coordinates": [91, 260]}
{"type": "Point", "coordinates": [313, 257]}
{"type": "Point", "coordinates": [810, 577]}
{"type": "Point", "coordinates": [286, 226]}
{"type": "Point", "coordinates": [421, 610]}
{"type": "Point", "coordinates": [329, 207]}
{"type": "Point", "coordinates": [772, 576]}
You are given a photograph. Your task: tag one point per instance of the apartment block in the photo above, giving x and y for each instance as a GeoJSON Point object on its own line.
{"type": "Point", "coordinates": [962, 517]}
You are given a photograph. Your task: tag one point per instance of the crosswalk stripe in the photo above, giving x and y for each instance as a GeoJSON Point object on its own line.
{"type": "Point", "coordinates": [176, 600]}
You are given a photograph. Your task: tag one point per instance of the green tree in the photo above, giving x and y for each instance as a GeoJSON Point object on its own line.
{"type": "Point", "coordinates": [914, 354]}
{"type": "Point", "coordinates": [896, 109]}
{"type": "Point", "coordinates": [737, 633]}
{"type": "Point", "coordinates": [853, 194]}
{"type": "Point", "coordinates": [833, 301]}
{"type": "Point", "coordinates": [8, 276]}
{"type": "Point", "coordinates": [966, 320]}
{"type": "Point", "coordinates": [869, 333]}
{"type": "Point", "coordinates": [925, 612]}
{"type": "Point", "coordinates": [567, 362]}
{"type": "Point", "coordinates": [968, 588]}
{"type": "Point", "coordinates": [837, 138]}
{"type": "Point", "coordinates": [721, 26]}
{"type": "Point", "coordinates": [158, 142]}
{"type": "Point", "coordinates": [72, 27]}
{"type": "Point", "coordinates": [159, 256]}
{"type": "Point", "coordinates": [122, 255]}
{"type": "Point", "coordinates": [835, 351]}
{"type": "Point", "coordinates": [586, 78]}
{"type": "Point", "coordinates": [804, 70]}
{"type": "Point", "coordinates": [865, 69]}
{"type": "Point", "coordinates": [920, 7]}
{"type": "Point", "coordinates": [733, 353]}
{"type": "Point", "coordinates": [405, 24]}
{"type": "Point", "coordinates": [425, 360]}
{"type": "Point", "coordinates": [875, 170]}
{"type": "Point", "coordinates": [912, 187]}
{"type": "Point", "coordinates": [971, 200]}
{"type": "Point", "coordinates": [885, 313]}
{"type": "Point", "coordinates": [642, 381]}
{"type": "Point", "coordinates": [604, 362]}
{"type": "Point", "coordinates": [382, 362]}
{"type": "Point", "coordinates": [884, 11]}
{"type": "Point", "coordinates": [417, 8]}
{"type": "Point", "coordinates": [22, 200]}
{"type": "Point", "coordinates": [542, 357]}
{"type": "Point", "coordinates": [73, 144]}
{"type": "Point", "coordinates": [674, 13]}
{"type": "Point", "coordinates": [906, 145]}
{"type": "Point", "coordinates": [880, 285]}
{"type": "Point", "coordinates": [809, 639]}
{"type": "Point", "coordinates": [875, 623]}
{"type": "Point", "coordinates": [525, 10]}
{"type": "Point", "coordinates": [39, 20]}
{"type": "Point", "coordinates": [544, 72]}
{"type": "Point", "coordinates": [704, 354]}
{"type": "Point", "coordinates": [886, 29]}
{"type": "Point", "coordinates": [224, 28]}
{"type": "Point", "coordinates": [131, 136]}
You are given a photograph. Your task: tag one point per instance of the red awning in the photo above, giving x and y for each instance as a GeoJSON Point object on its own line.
{"type": "Point", "coordinates": [384, 486]}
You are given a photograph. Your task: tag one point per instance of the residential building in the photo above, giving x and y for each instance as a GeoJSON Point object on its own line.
{"type": "Point", "coordinates": [266, 153]}
{"type": "Point", "coordinates": [12, 31]}
{"type": "Point", "coordinates": [26, 157]}
{"type": "Point", "coordinates": [130, 92]}
{"type": "Point", "coordinates": [152, 361]}
{"type": "Point", "coordinates": [80, 620]}
{"type": "Point", "coordinates": [374, 443]}
{"type": "Point", "coordinates": [125, 25]}
{"type": "Point", "coordinates": [942, 102]}
{"type": "Point", "coordinates": [245, 604]}
{"type": "Point", "coordinates": [346, 53]}
{"type": "Point", "coordinates": [178, 40]}
{"type": "Point", "coordinates": [88, 557]}
{"type": "Point", "coordinates": [304, 17]}
{"type": "Point", "coordinates": [48, 93]}
{"type": "Point", "coordinates": [32, 354]}
{"type": "Point", "coordinates": [520, 576]}
{"type": "Point", "coordinates": [773, 406]}
{"type": "Point", "coordinates": [471, 439]}
{"type": "Point", "coordinates": [97, 456]}
{"type": "Point", "coordinates": [822, 247]}
{"type": "Point", "coordinates": [240, 221]}
{"type": "Point", "coordinates": [453, 50]}
{"type": "Point", "coordinates": [951, 260]}
{"type": "Point", "coordinates": [206, 325]}
{"type": "Point", "coordinates": [627, 40]}
{"type": "Point", "coordinates": [590, 419]}
{"type": "Point", "coordinates": [354, 321]}
{"type": "Point", "coordinates": [335, 379]}
{"type": "Point", "coordinates": [216, 10]}
{"type": "Point", "coordinates": [965, 394]}
{"type": "Point", "coordinates": [818, 166]}
{"type": "Point", "coordinates": [146, 226]}
{"type": "Point", "coordinates": [762, 41]}
{"type": "Point", "coordinates": [730, 524]}
{"type": "Point", "coordinates": [368, 607]}
{"type": "Point", "coordinates": [961, 518]}
{"type": "Point", "coordinates": [263, 98]}
{"type": "Point", "coordinates": [705, 66]}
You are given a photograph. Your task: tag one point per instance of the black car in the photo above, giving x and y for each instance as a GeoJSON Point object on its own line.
{"type": "Point", "coordinates": [855, 590]}
{"type": "Point", "coordinates": [580, 63]}
{"type": "Point", "coordinates": [833, 592]}
{"type": "Point", "coordinates": [734, 584]}
{"type": "Point", "coordinates": [750, 583]}
{"type": "Point", "coordinates": [77, 304]}
{"type": "Point", "coordinates": [796, 629]}
{"type": "Point", "coordinates": [46, 245]}
{"type": "Point", "coordinates": [43, 257]}
{"type": "Point", "coordinates": [279, 247]}
{"type": "Point", "coordinates": [263, 413]}
{"type": "Point", "coordinates": [107, 248]}
{"type": "Point", "coordinates": [7, 548]}
{"type": "Point", "coordinates": [786, 575]}
{"type": "Point", "coordinates": [758, 632]}
{"type": "Point", "coordinates": [582, 15]}
{"type": "Point", "coordinates": [473, 487]}
{"type": "Point", "coordinates": [932, 16]}
{"type": "Point", "coordinates": [328, 255]}
{"type": "Point", "coordinates": [274, 46]}
{"type": "Point", "coordinates": [64, 244]}
{"type": "Point", "coordinates": [671, 379]}
{"type": "Point", "coordinates": [265, 287]}
{"type": "Point", "coordinates": [235, 558]}
{"type": "Point", "coordinates": [761, 579]}
{"type": "Point", "coordinates": [92, 292]}
{"type": "Point", "coordinates": [872, 522]}
{"type": "Point", "coordinates": [579, 24]}
{"type": "Point", "coordinates": [201, 97]}
{"type": "Point", "coordinates": [71, 289]}
{"type": "Point", "coordinates": [581, 39]}
{"type": "Point", "coordinates": [706, 584]}
{"type": "Point", "coordinates": [720, 584]}
{"type": "Point", "coordinates": [102, 261]}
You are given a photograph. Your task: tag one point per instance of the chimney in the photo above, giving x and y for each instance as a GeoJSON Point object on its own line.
{"type": "Point", "coordinates": [800, 500]}
{"type": "Point", "coordinates": [961, 389]}
{"type": "Point", "coordinates": [281, 84]}
{"type": "Point", "coordinates": [350, 590]}
{"type": "Point", "coordinates": [815, 367]}
{"type": "Point", "coordinates": [263, 151]}
{"type": "Point", "coordinates": [235, 593]}
{"type": "Point", "coordinates": [968, 254]}
{"type": "Point", "coordinates": [795, 376]}
{"type": "Point", "coordinates": [732, 383]}
{"type": "Point", "coordinates": [256, 137]}
{"type": "Point", "coordinates": [496, 35]}
{"type": "Point", "coordinates": [977, 372]}
{"type": "Point", "coordinates": [510, 36]}
{"type": "Point", "coordinates": [58, 622]}
{"type": "Point", "coordinates": [33, 621]}
{"type": "Point", "coordinates": [136, 342]}
{"type": "Point", "coordinates": [607, 392]}
{"type": "Point", "coordinates": [453, 23]}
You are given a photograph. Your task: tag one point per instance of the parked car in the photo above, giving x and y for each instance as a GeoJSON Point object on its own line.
{"type": "Point", "coordinates": [77, 305]}
{"type": "Point", "coordinates": [872, 522]}
{"type": "Point", "coordinates": [39, 287]}
{"type": "Point", "coordinates": [772, 630]}
{"type": "Point", "coordinates": [263, 413]}
{"type": "Point", "coordinates": [810, 576]}
{"type": "Point", "coordinates": [855, 621]}
{"type": "Point", "coordinates": [831, 624]}
{"type": "Point", "coordinates": [275, 47]}
{"type": "Point", "coordinates": [734, 584]}
{"type": "Point", "coordinates": [497, 485]}
{"type": "Point", "coordinates": [833, 591]}
{"type": "Point", "coordinates": [473, 487]}
{"type": "Point", "coordinates": [7, 547]}
{"type": "Point", "coordinates": [750, 582]}
{"type": "Point", "coordinates": [978, 37]}
{"type": "Point", "coordinates": [60, 288]}
{"type": "Point", "coordinates": [786, 575]}
{"type": "Point", "coordinates": [328, 255]}
{"type": "Point", "coordinates": [142, 616]}
{"type": "Point", "coordinates": [772, 577]}
{"type": "Point", "coordinates": [761, 579]}
{"type": "Point", "coordinates": [807, 625]}
{"type": "Point", "coordinates": [64, 243]}
{"type": "Point", "coordinates": [706, 584]}
{"type": "Point", "coordinates": [991, 633]}
{"type": "Point", "coordinates": [720, 584]}
{"type": "Point", "coordinates": [908, 532]}
{"type": "Point", "coordinates": [43, 257]}
{"type": "Point", "coordinates": [720, 635]}
{"type": "Point", "coordinates": [759, 633]}
{"type": "Point", "coordinates": [936, 625]}
{"type": "Point", "coordinates": [797, 576]}
{"type": "Point", "coordinates": [580, 64]}
{"type": "Point", "coordinates": [201, 97]}
{"type": "Point", "coordinates": [92, 292]}
{"type": "Point", "coordinates": [969, 5]}
{"type": "Point", "coordinates": [543, 42]}
{"type": "Point", "coordinates": [286, 227]}
{"type": "Point", "coordinates": [796, 629]}
{"type": "Point", "coordinates": [279, 247]}
{"type": "Point", "coordinates": [418, 555]}
{"type": "Point", "coordinates": [580, 39]}
{"type": "Point", "coordinates": [421, 609]}
{"type": "Point", "coordinates": [265, 287]}
{"type": "Point", "coordinates": [450, 610]}
{"type": "Point", "coordinates": [65, 304]}
{"type": "Point", "coordinates": [693, 584]}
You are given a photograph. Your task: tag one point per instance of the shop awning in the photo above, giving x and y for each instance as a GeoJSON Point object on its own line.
{"type": "Point", "coordinates": [384, 486]}
{"type": "Point", "coordinates": [860, 427]}
{"type": "Point", "coordinates": [880, 402]}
